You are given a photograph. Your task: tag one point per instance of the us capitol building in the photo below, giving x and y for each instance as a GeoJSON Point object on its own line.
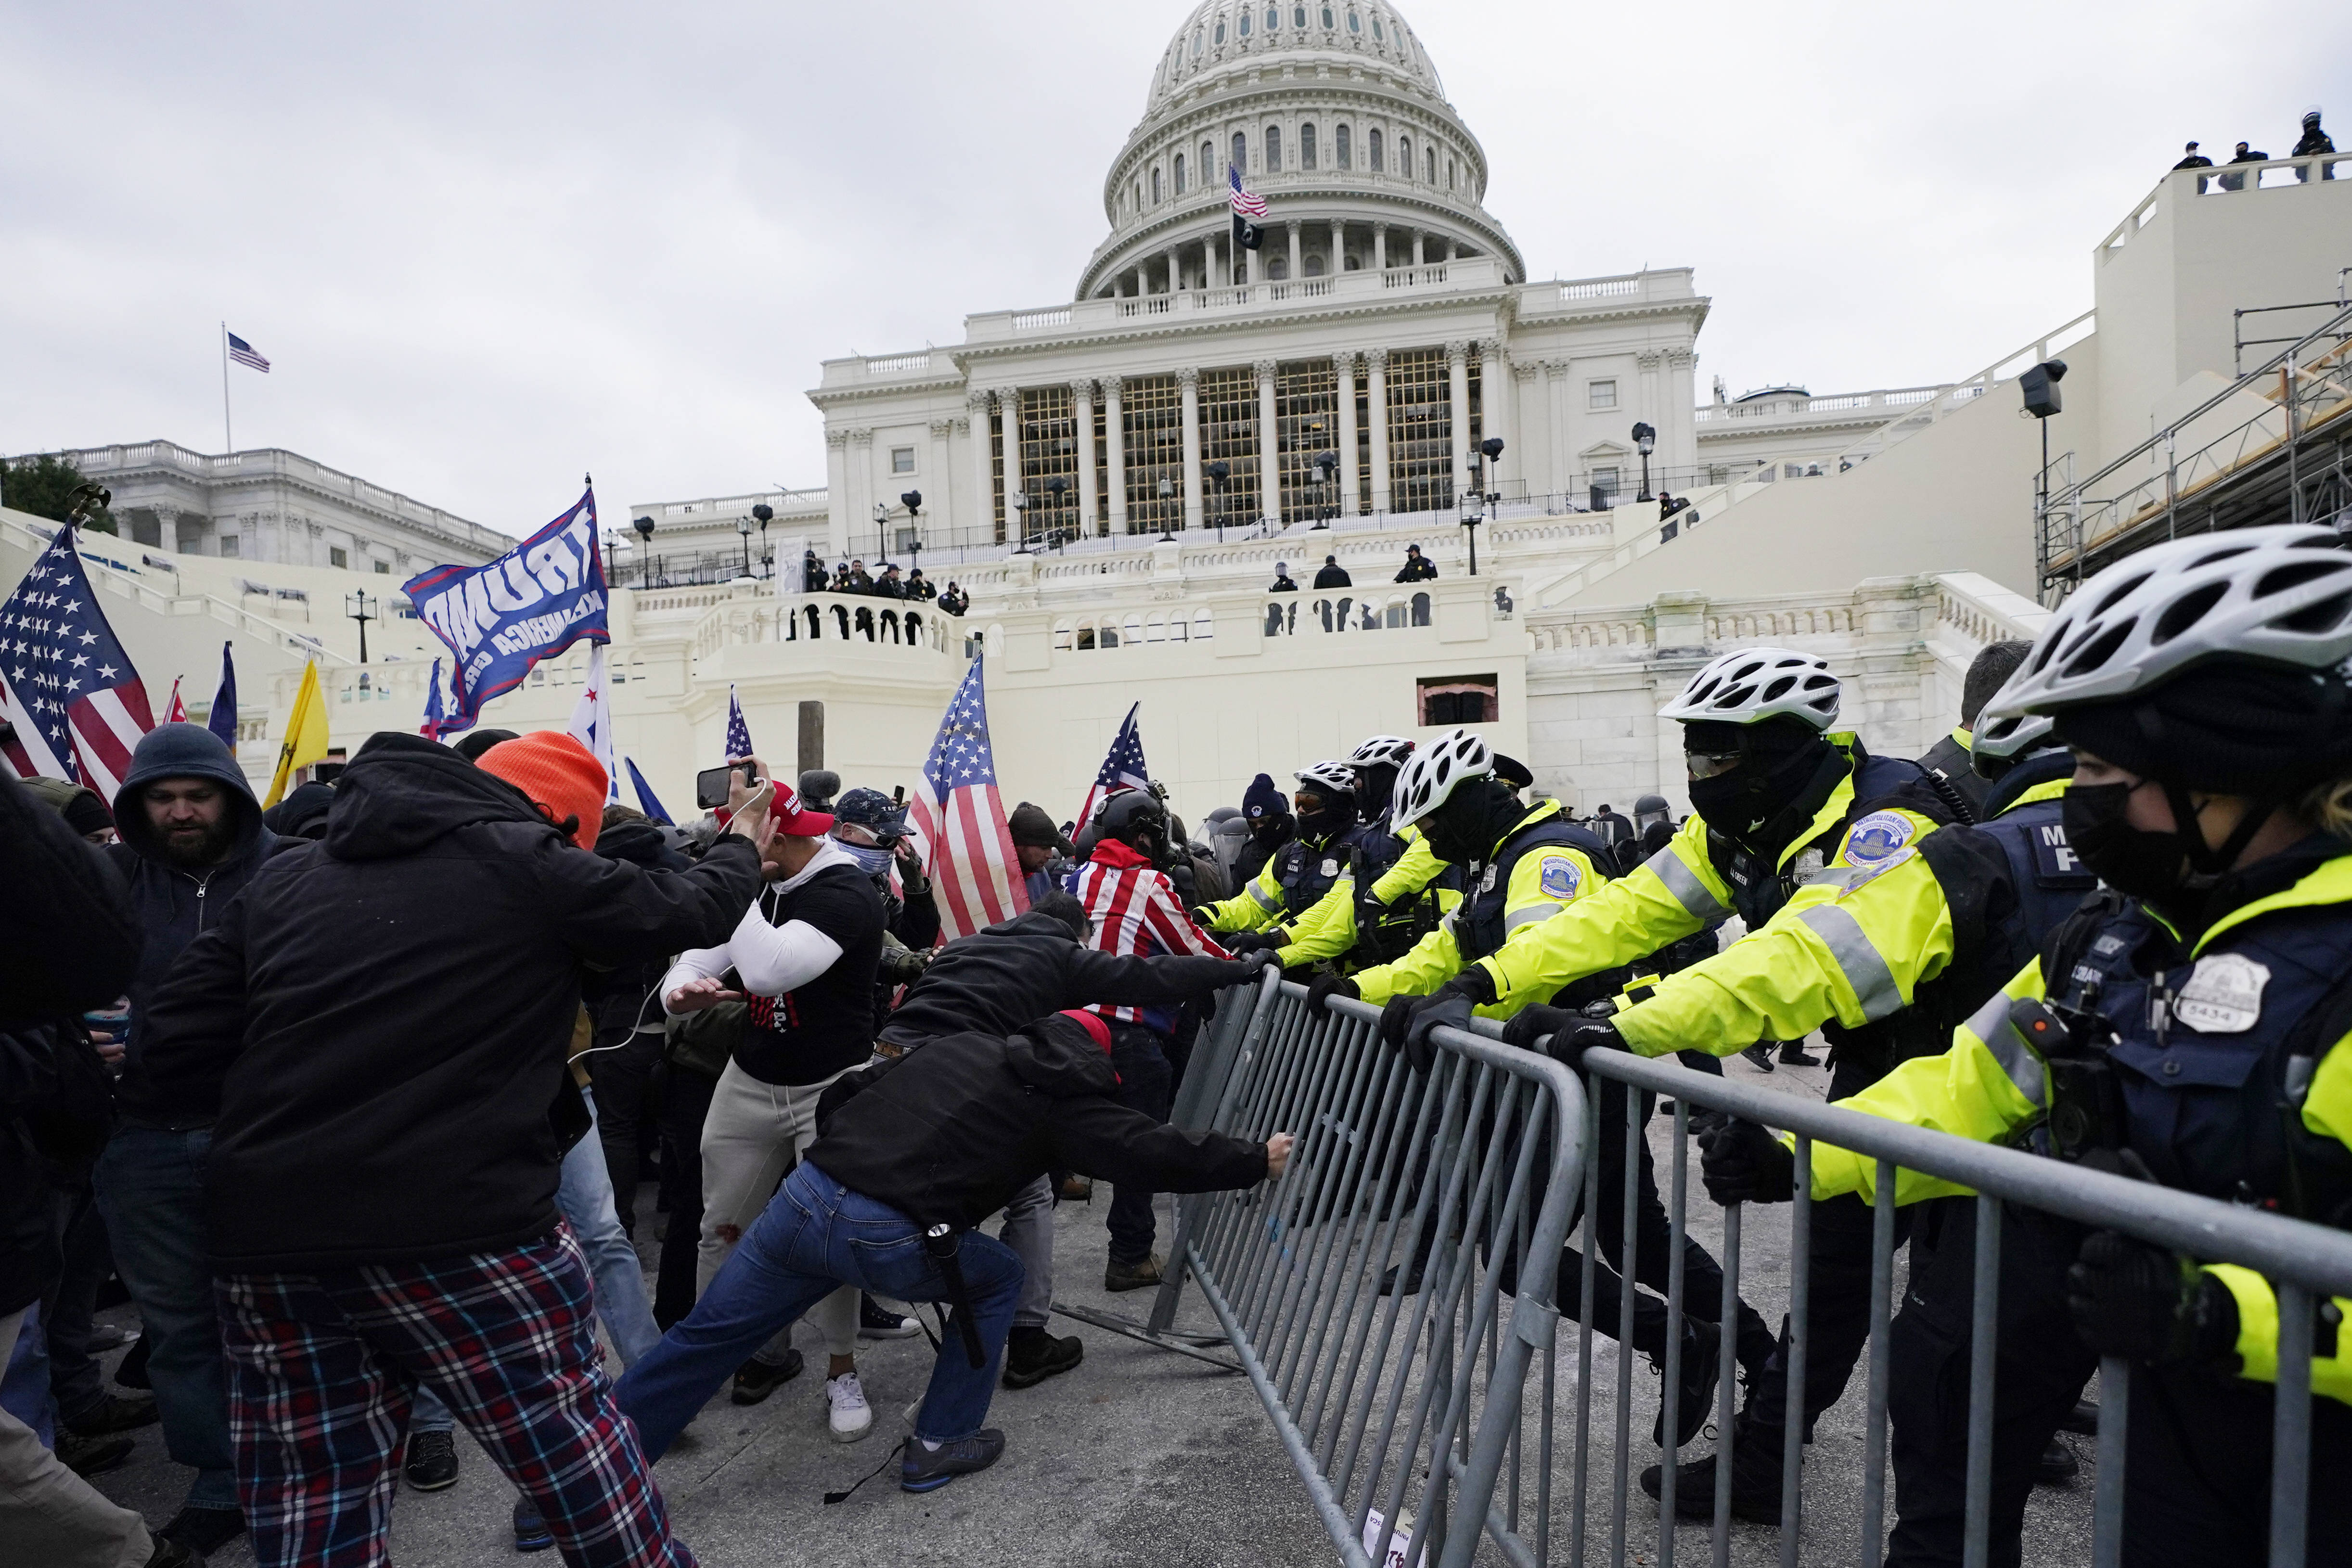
{"type": "Point", "coordinates": [1114, 478]}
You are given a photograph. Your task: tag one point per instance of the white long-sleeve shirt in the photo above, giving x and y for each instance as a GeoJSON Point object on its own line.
{"type": "Point", "coordinates": [769, 959]}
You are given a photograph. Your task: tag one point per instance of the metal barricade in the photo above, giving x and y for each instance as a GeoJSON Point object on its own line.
{"type": "Point", "coordinates": [2305, 1263]}
{"type": "Point", "coordinates": [1362, 1291]}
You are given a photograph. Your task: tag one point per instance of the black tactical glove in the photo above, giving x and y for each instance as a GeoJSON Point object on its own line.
{"type": "Point", "coordinates": [1250, 941]}
{"type": "Point", "coordinates": [1569, 1045]}
{"type": "Point", "coordinates": [1406, 1022]}
{"type": "Point", "coordinates": [2145, 1303]}
{"type": "Point", "coordinates": [1326, 986]}
{"type": "Point", "coordinates": [1530, 1025]}
{"type": "Point", "coordinates": [1742, 1164]}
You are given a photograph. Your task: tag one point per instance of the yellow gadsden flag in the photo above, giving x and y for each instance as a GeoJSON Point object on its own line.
{"type": "Point", "coordinates": [305, 734]}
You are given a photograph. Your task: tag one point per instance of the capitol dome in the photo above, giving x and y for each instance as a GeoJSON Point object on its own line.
{"type": "Point", "coordinates": [1333, 112]}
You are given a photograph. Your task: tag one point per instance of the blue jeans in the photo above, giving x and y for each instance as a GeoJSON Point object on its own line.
{"type": "Point", "coordinates": [1146, 1083]}
{"type": "Point", "coordinates": [815, 1236]}
{"type": "Point", "coordinates": [25, 1383]}
{"type": "Point", "coordinates": [583, 1191]}
{"type": "Point", "coordinates": [151, 1188]}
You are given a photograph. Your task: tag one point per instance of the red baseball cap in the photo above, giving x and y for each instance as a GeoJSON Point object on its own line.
{"type": "Point", "coordinates": [791, 817]}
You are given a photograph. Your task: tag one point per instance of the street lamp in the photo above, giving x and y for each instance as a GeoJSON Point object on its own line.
{"type": "Point", "coordinates": [1057, 487]}
{"type": "Point", "coordinates": [765, 514]}
{"type": "Point", "coordinates": [913, 502]}
{"type": "Point", "coordinates": [1481, 501]}
{"type": "Point", "coordinates": [1644, 439]}
{"type": "Point", "coordinates": [743, 527]}
{"type": "Point", "coordinates": [1327, 467]}
{"type": "Point", "coordinates": [1220, 472]}
{"type": "Point", "coordinates": [644, 527]}
{"type": "Point", "coordinates": [1019, 501]}
{"type": "Point", "coordinates": [363, 609]}
{"type": "Point", "coordinates": [1166, 495]}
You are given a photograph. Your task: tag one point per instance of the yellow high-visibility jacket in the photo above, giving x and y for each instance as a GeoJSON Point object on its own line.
{"type": "Point", "coordinates": [1328, 930]}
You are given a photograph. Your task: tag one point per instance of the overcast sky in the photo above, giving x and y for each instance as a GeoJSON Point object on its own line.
{"type": "Point", "coordinates": [489, 246]}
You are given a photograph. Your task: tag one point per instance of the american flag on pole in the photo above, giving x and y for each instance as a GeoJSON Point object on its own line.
{"type": "Point", "coordinates": [738, 733]}
{"type": "Point", "coordinates": [974, 868]}
{"type": "Point", "coordinates": [1123, 769]}
{"type": "Point", "coordinates": [245, 353]}
{"type": "Point", "coordinates": [1247, 204]}
{"type": "Point", "coordinates": [66, 684]}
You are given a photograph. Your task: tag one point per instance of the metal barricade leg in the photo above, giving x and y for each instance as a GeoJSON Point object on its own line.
{"type": "Point", "coordinates": [1873, 1439]}
{"type": "Point", "coordinates": [2290, 1427]}
{"type": "Point", "coordinates": [2107, 1504]}
{"type": "Point", "coordinates": [1726, 1420]}
{"type": "Point", "coordinates": [1671, 1413]}
{"type": "Point", "coordinates": [1628, 1251]}
{"type": "Point", "coordinates": [1983, 1333]}
{"type": "Point", "coordinates": [1792, 1431]}
{"type": "Point", "coordinates": [1592, 1249]}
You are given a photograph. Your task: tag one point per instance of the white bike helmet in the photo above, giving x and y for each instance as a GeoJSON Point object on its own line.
{"type": "Point", "coordinates": [1430, 780]}
{"type": "Point", "coordinates": [1394, 750]}
{"type": "Point", "coordinates": [2278, 595]}
{"type": "Point", "coordinates": [1331, 778]}
{"type": "Point", "coordinates": [1996, 742]}
{"type": "Point", "coordinates": [1759, 683]}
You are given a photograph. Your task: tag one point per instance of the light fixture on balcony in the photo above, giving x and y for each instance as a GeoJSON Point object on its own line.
{"type": "Point", "coordinates": [1476, 505]}
{"type": "Point", "coordinates": [1326, 469]}
{"type": "Point", "coordinates": [1057, 487]}
{"type": "Point", "coordinates": [1019, 501]}
{"type": "Point", "coordinates": [363, 609]}
{"type": "Point", "coordinates": [764, 514]}
{"type": "Point", "coordinates": [1645, 438]}
{"type": "Point", "coordinates": [743, 527]}
{"type": "Point", "coordinates": [1167, 497]}
{"type": "Point", "coordinates": [1218, 473]}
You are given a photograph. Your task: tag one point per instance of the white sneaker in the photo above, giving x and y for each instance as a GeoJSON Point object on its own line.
{"type": "Point", "coordinates": [847, 1414]}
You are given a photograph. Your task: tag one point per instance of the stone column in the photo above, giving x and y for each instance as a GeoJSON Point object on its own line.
{"type": "Point", "coordinates": [1175, 265]}
{"type": "Point", "coordinates": [1651, 407]}
{"type": "Point", "coordinates": [1008, 420]}
{"type": "Point", "coordinates": [1115, 453]}
{"type": "Point", "coordinates": [1417, 237]}
{"type": "Point", "coordinates": [937, 469]}
{"type": "Point", "coordinates": [1376, 370]}
{"type": "Point", "coordinates": [1562, 461]}
{"type": "Point", "coordinates": [980, 515]}
{"type": "Point", "coordinates": [1532, 465]}
{"type": "Point", "coordinates": [1269, 438]}
{"type": "Point", "coordinates": [861, 479]}
{"type": "Point", "coordinates": [837, 481]}
{"type": "Point", "coordinates": [1082, 394]}
{"type": "Point", "coordinates": [1351, 493]}
{"type": "Point", "coordinates": [1677, 430]}
{"type": "Point", "coordinates": [1339, 249]}
{"type": "Point", "coordinates": [1457, 385]}
{"type": "Point", "coordinates": [1495, 392]}
{"type": "Point", "coordinates": [1293, 228]}
{"type": "Point", "coordinates": [1189, 380]}
{"type": "Point", "coordinates": [1379, 248]}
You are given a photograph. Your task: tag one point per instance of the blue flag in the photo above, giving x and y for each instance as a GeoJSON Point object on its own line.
{"type": "Point", "coordinates": [645, 801]}
{"type": "Point", "coordinates": [222, 720]}
{"type": "Point", "coordinates": [739, 735]}
{"type": "Point", "coordinates": [531, 604]}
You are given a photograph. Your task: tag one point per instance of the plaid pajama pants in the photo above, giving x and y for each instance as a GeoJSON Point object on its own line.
{"type": "Point", "coordinates": [324, 1367]}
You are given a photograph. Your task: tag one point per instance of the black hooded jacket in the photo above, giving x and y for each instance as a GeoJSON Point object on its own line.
{"type": "Point", "coordinates": [998, 979]}
{"type": "Point", "coordinates": [381, 1020]}
{"type": "Point", "coordinates": [948, 1135]}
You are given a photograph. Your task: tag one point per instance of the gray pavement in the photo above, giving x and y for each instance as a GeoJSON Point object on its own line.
{"type": "Point", "coordinates": [1137, 1458]}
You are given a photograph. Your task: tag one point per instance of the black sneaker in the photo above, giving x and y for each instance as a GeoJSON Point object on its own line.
{"type": "Point", "coordinates": [133, 1372]}
{"type": "Point", "coordinates": [1754, 1480]}
{"type": "Point", "coordinates": [88, 1456]}
{"type": "Point", "coordinates": [2082, 1420]}
{"type": "Point", "coordinates": [1794, 1054]}
{"type": "Point", "coordinates": [530, 1531]}
{"type": "Point", "coordinates": [1142, 1276]}
{"type": "Point", "coordinates": [1702, 1359]}
{"type": "Point", "coordinates": [1032, 1355]}
{"type": "Point", "coordinates": [113, 1413]}
{"type": "Point", "coordinates": [876, 1321]}
{"type": "Point", "coordinates": [2057, 1465]}
{"type": "Point", "coordinates": [924, 1470]}
{"type": "Point", "coordinates": [431, 1462]}
{"type": "Point", "coordinates": [757, 1379]}
{"type": "Point", "coordinates": [1759, 1055]}
{"type": "Point", "coordinates": [205, 1530]}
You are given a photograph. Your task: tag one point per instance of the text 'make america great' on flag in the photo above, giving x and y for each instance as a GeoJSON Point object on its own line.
{"type": "Point", "coordinates": [974, 868]}
{"type": "Point", "coordinates": [1123, 769]}
{"type": "Point", "coordinates": [77, 706]}
{"type": "Point", "coordinates": [531, 604]}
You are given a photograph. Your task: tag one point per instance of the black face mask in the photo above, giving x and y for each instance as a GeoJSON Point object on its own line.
{"type": "Point", "coordinates": [2131, 860]}
{"type": "Point", "coordinates": [1744, 801]}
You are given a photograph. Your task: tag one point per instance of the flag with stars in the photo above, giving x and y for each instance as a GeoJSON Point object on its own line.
{"type": "Point", "coordinates": [738, 733]}
{"type": "Point", "coordinates": [974, 868]}
{"type": "Point", "coordinates": [78, 706]}
{"type": "Point", "coordinates": [591, 720]}
{"type": "Point", "coordinates": [1123, 769]}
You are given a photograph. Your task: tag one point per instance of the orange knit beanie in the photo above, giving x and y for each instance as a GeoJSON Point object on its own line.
{"type": "Point", "coordinates": [562, 778]}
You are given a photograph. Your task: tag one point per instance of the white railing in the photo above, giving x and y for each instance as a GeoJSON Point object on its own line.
{"type": "Point", "coordinates": [1794, 407]}
{"type": "Point", "coordinates": [1472, 272]}
{"type": "Point", "coordinates": [2225, 180]}
{"type": "Point", "coordinates": [794, 504]}
{"type": "Point", "coordinates": [884, 625]}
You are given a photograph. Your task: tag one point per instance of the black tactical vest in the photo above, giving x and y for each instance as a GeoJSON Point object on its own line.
{"type": "Point", "coordinates": [1479, 923]}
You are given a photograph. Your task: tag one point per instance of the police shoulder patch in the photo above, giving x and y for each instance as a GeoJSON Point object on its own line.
{"type": "Point", "coordinates": [1878, 837]}
{"type": "Point", "coordinates": [1560, 877]}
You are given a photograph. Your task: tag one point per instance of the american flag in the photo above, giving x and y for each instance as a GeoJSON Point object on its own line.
{"type": "Point", "coordinates": [591, 720]}
{"type": "Point", "coordinates": [974, 868]}
{"type": "Point", "coordinates": [1123, 769]}
{"type": "Point", "coordinates": [1246, 203]}
{"type": "Point", "coordinates": [738, 733]}
{"type": "Point", "coordinates": [78, 705]}
{"type": "Point", "coordinates": [245, 353]}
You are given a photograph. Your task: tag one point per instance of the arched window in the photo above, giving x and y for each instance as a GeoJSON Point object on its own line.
{"type": "Point", "coordinates": [1314, 266]}
{"type": "Point", "coordinates": [1221, 32]}
{"type": "Point", "coordinates": [1273, 148]}
{"type": "Point", "coordinates": [1307, 145]}
{"type": "Point", "coordinates": [1355, 22]}
{"type": "Point", "coordinates": [1180, 173]}
{"type": "Point", "coordinates": [1244, 20]}
{"type": "Point", "coordinates": [1208, 161]}
{"type": "Point", "coordinates": [1298, 17]}
{"type": "Point", "coordinates": [1278, 268]}
{"type": "Point", "coordinates": [1341, 152]}
{"type": "Point", "coordinates": [1329, 21]}
{"type": "Point", "coordinates": [1273, 18]}
{"type": "Point", "coordinates": [1197, 42]}
{"type": "Point", "coordinates": [1373, 140]}
{"type": "Point", "coordinates": [1155, 187]}
{"type": "Point", "coordinates": [1241, 152]}
{"type": "Point", "coordinates": [1404, 156]}
{"type": "Point", "coordinates": [1429, 162]}
{"type": "Point", "coordinates": [1377, 34]}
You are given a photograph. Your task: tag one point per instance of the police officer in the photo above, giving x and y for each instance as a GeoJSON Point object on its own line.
{"type": "Point", "coordinates": [1949, 759]}
{"type": "Point", "coordinates": [2201, 686]}
{"type": "Point", "coordinates": [1299, 875]}
{"type": "Point", "coordinates": [1817, 844]}
{"type": "Point", "coordinates": [1394, 889]}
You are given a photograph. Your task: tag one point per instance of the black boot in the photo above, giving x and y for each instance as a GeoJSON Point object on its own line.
{"type": "Point", "coordinates": [1755, 1479]}
{"type": "Point", "coordinates": [1702, 1361]}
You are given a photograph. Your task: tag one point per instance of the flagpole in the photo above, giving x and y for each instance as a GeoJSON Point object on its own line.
{"type": "Point", "coordinates": [228, 437]}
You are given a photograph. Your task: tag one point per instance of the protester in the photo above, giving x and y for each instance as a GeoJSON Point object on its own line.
{"type": "Point", "coordinates": [381, 1216]}
{"type": "Point", "coordinates": [1333, 574]}
{"type": "Point", "coordinates": [941, 1137]}
{"type": "Point", "coordinates": [193, 839]}
{"type": "Point", "coordinates": [804, 955]}
{"type": "Point", "coordinates": [84, 811]}
{"type": "Point", "coordinates": [628, 1025]}
{"type": "Point", "coordinates": [1418, 568]}
{"type": "Point", "coordinates": [69, 939]}
{"type": "Point", "coordinates": [1045, 854]}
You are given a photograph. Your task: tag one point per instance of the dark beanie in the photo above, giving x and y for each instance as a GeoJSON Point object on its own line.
{"type": "Point", "coordinates": [1262, 800]}
{"type": "Point", "coordinates": [86, 813]}
{"type": "Point", "coordinates": [2232, 728]}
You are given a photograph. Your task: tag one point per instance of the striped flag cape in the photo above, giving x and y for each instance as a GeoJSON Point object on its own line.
{"type": "Point", "coordinates": [975, 869]}
{"type": "Point", "coordinates": [1123, 769]}
{"type": "Point", "coordinates": [66, 684]}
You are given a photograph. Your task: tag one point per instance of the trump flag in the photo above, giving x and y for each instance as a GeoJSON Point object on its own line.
{"type": "Point", "coordinates": [531, 604]}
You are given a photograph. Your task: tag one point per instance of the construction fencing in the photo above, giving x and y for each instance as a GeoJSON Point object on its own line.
{"type": "Point", "coordinates": [1394, 1299]}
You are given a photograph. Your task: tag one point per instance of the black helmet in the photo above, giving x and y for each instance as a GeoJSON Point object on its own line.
{"type": "Point", "coordinates": [1137, 819]}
